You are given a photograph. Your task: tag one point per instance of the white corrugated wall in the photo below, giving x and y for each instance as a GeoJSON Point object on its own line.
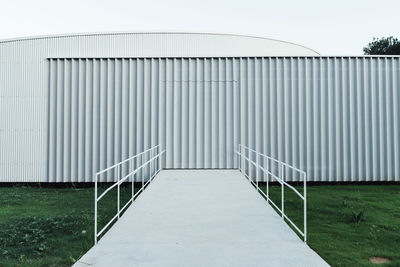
{"type": "Point", "coordinates": [24, 80]}
{"type": "Point", "coordinates": [335, 117]}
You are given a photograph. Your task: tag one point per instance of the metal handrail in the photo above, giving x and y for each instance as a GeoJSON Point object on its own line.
{"type": "Point", "coordinates": [150, 152]}
{"type": "Point", "coordinates": [122, 162]}
{"type": "Point", "coordinates": [280, 178]}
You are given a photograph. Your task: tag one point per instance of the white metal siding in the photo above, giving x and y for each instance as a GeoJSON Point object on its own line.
{"type": "Point", "coordinates": [23, 120]}
{"type": "Point", "coordinates": [335, 117]}
{"type": "Point", "coordinates": [24, 80]}
{"type": "Point", "coordinates": [339, 116]}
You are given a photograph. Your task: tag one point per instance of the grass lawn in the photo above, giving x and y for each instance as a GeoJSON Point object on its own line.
{"type": "Point", "coordinates": [332, 229]}
{"type": "Point", "coordinates": [50, 226]}
{"type": "Point", "coordinates": [54, 226]}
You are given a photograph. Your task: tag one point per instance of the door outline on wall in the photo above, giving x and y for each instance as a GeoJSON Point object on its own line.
{"type": "Point", "coordinates": [211, 117]}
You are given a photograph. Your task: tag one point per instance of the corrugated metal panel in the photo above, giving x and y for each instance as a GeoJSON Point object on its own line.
{"type": "Point", "coordinates": [337, 118]}
{"type": "Point", "coordinates": [24, 79]}
{"type": "Point", "coordinates": [23, 109]}
{"type": "Point", "coordinates": [344, 107]}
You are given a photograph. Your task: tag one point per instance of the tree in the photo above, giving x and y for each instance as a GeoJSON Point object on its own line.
{"type": "Point", "coordinates": [383, 46]}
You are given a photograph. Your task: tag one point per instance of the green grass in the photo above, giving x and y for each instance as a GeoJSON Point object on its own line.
{"type": "Point", "coordinates": [50, 226]}
{"type": "Point", "coordinates": [332, 229]}
{"type": "Point", "coordinates": [43, 226]}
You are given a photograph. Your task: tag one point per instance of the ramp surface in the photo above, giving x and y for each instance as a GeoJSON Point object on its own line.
{"type": "Point", "coordinates": [200, 218]}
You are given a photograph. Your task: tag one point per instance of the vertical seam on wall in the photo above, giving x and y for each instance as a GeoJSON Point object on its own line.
{"type": "Point", "coordinates": [48, 119]}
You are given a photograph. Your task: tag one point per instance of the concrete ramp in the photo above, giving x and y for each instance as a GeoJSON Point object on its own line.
{"type": "Point", "coordinates": [200, 218]}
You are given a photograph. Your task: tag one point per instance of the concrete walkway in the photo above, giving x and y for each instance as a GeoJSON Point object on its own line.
{"type": "Point", "coordinates": [200, 218]}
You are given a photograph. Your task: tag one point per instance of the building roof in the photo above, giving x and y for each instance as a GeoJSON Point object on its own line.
{"type": "Point", "coordinates": [174, 44]}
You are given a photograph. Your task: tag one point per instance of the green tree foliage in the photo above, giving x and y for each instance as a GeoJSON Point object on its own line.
{"type": "Point", "coordinates": [383, 46]}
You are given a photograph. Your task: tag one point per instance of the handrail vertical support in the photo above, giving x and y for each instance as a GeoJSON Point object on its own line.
{"type": "Point", "coordinates": [133, 176]}
{"type": "Point", "coordinates": [257, 178]}
{"type": "Point", "coordinates": [305, 206]}
{"type": "Point", "coordinates": [237, 155]}
{"type": "Point", "coordinates": [282, 190]}
{"type": "Point", "coordinates": [241, 158]}
{"type": "Point", "coordinates": [159, 161]}
{"type": "Point", "coordinates": [118, 188]}
{"type": "Point", "coordinates": [267, 181]}
{"type": "Point", "coordinates": [143, 170]}
{"type": "Point", "coordinates": [150, 164]}
{"type": "Point", "coordinates": [95, 209]}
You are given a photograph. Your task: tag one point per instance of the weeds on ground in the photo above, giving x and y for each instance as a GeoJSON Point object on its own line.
{"type": "Point", "coordinates": [348, 224]}
{"type": "Point", "coordinates": [28, 237]}
{"type": "Point", "coordinates": [49, 226]}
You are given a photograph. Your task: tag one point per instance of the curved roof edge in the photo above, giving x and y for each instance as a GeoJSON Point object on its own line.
{"type": "Point", "coordinates": [51, 36]}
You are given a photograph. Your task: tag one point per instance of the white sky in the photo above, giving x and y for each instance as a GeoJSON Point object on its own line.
{"type": "Point", "coordinates": [334, 27]}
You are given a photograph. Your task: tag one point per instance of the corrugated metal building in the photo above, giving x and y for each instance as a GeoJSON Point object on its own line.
{"type": "Point", "coordinates": [71, 105]}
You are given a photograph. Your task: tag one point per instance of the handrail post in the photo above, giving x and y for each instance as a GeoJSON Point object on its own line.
{"type": "Point", "coordinates": [239, 158]}
{"type": "Point", "coordinates": [118, 188]}
{"type": "Point", "coordinates": [267, 180]}
{"type": "Point", "coordinates": [142, 169]}
{"type": "Point", "coordinates": [305, 206]}
{"type": "Point", "coordinates": [235, 153]}
{"type": "Point", "coordinates": [151, 164]}
{"type": "Point", "coordinates": [257, 178]}
{"type": "Point", "coordinates": [242, 159]}
{"type": "Point", "coordinates": [282, 190]}
{"type": "Point", "coordinates": [129, 171]}
{"type": "Point", "coordinates": [247, 164]}
{"type": "Point", "coordinates": [155, 162]}
{"type": "Point", "coordinates": [159, 159]}
{"type": "Point", "coordinates": [95, 209]}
